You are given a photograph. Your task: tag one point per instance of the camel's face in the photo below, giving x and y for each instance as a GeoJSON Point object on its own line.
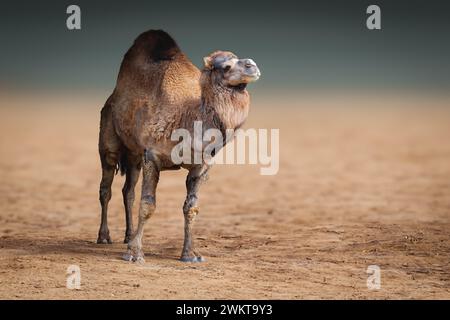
{"type": "Point", "coordinates": [230, 70]}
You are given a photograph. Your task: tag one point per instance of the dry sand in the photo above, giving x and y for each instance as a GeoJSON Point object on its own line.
{"type": "Point", "coordinates": [359, 184]}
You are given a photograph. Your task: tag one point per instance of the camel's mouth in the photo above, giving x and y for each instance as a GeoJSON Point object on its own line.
{"type": "Point", "coordinates": [245, 80]}
{"type": "Point", "coordinates": [239, 87]}
{"type": "Point", "coordinates": [253, 76]}
{"type": "Point", "coordinates": [248, 76]}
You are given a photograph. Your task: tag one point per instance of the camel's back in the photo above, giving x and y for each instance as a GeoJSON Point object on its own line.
{"type": "Point", "coordinates": [156, 66]}
{"type": "Point", "coordinates": [156, 84]}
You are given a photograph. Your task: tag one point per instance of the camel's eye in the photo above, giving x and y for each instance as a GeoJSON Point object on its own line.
{"type": "Point", "coordinates": [227, 68]}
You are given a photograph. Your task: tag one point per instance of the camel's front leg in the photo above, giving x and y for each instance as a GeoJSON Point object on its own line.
{"type": "Point", "coordinates": [190, 210]}
{"type": "Point", "coordinates": [147, 207]}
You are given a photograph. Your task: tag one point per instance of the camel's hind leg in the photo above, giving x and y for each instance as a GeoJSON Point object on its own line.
{"type": "Point", "coordinates": [109, 149]}
{"type": "Point", "coordinates": [133, 168]}
{"type": "Point", "coordinates": [105, 195]}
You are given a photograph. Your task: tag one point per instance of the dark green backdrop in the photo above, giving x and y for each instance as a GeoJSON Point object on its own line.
{"type": "Point", "coordinates": [298, 45]}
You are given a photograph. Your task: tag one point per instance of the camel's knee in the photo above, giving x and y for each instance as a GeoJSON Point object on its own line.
{"type": "Point", "coordinates": [148, 206]}
{"type": "Point", "coordinates": [191, 213]}
{"type": "Point", "coordinates": [191, 201]}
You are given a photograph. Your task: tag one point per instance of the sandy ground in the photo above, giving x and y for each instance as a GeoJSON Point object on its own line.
{"type": "Point", "coordinates": [361, 182]}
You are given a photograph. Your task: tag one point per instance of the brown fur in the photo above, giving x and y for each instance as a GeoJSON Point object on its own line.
{"type": "Point", "coordinates": [159, 90]}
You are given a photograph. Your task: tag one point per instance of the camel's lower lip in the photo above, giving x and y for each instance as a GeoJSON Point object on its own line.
{"type": "Point", "coordinates": [246, 78]}
{"type": "Point", "coordinates": [253, 77]}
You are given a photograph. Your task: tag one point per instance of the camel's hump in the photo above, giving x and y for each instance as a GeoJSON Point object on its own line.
{"type": "Point", "coordinates": [158, 45]}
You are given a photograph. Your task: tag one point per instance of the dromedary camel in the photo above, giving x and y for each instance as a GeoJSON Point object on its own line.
{"type": "Point", "coordinates": [159, 90]}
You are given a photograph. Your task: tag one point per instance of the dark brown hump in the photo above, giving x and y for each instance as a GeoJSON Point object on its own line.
{"type": "Point", "coordinates": [157, 44]}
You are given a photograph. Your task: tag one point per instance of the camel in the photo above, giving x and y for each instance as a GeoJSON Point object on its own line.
{"type": "Point", "coordinates": [159, 90]}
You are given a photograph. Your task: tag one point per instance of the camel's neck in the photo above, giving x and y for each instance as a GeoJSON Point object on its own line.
{"type": "Point", "coordinates": [225, 107]}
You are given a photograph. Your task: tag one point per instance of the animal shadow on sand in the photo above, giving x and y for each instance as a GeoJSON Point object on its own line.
{"type": "Point", "coordinates": [24, 246]}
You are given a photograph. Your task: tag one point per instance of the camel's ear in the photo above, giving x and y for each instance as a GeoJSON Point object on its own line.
{"type": "Point", "coordinates": [208, 61]}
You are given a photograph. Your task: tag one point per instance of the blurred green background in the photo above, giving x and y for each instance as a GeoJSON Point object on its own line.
{"type": "Point", "coordinates": [299, 45]}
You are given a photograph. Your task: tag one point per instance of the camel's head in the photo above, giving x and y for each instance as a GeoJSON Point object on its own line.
{"type": "Point", "coordinates": [229, 70]}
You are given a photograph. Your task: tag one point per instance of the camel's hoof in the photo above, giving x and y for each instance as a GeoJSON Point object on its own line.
{"type": "Point", "coordinates": [127, 257]}
{"type": "Point", "coordinates": [193, 259]}
{"type": "Point", "coordinates": [127, 239]}
{"type": "Point", "coordinates": [104, 240]}
{"type": "Point", "coordinates": [138, 258]}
